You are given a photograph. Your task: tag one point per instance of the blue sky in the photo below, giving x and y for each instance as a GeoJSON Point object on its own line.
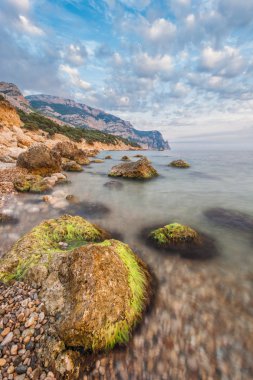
{"type": "Point", "coordinates": [183, 67]}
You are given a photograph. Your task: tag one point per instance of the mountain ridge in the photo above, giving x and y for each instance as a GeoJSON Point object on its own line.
{"type": "Point", "coordinates": [83, 116]}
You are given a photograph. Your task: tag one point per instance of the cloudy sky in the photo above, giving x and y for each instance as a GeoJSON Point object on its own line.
{"type": "Point", "coordinates": [184, 67]}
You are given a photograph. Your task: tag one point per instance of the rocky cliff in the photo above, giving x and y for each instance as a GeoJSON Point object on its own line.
{"type": "Point", "coordinates": [83, 116]}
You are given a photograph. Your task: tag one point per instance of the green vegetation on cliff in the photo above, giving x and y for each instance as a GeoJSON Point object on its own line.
{"type": "Point", "coordinates": [34, 121]}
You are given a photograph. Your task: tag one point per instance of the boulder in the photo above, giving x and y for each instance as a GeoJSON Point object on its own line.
{"type": "Point", "coordinates": [97, 161]}
{"type": "Point", "coordinates": [184, 240]}
{"type": "Point", "coordinates": [125, 158]}
{"type": "Point", "coordinates": [173, 235]}
{"type": "Point", "coordinates": [141, 169]}
{"type": "Point", "coordinates": [70, 150]}
{"type": "Point", "coordinates": [39, 159]}
{"type": "Point", "coordinates": [108, 157]}
{"type": "Point", "coordinates": [71, 166]}
{"type": "Point", "coordinates": [96, 289]}
{"type": "Point", "coordinates": [32, 183]}
{"type": "Point", "coordinates": [37, 247]}
{"type": "Point", "coordinates": [180, 164]}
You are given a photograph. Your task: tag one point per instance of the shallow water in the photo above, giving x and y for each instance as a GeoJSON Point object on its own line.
{"type": "Point", "coordinates": [215, 179]}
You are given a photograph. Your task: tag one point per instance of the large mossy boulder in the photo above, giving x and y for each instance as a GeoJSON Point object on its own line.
{"type": "Point", "coordinates": [71, 166]}
{"type": "Point", "coordinates": [39, 159]}
{"type": "Point", "coordinates": [70, 150]}
{"type": "Point", "coordinates": [96, 289]}
{"type": "Point", "coordinates": [141, 169]}
{"type": "Point", "coordinates": [180, 164]}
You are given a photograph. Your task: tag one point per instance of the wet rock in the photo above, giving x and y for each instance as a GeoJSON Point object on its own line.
{"type": "Point", "coordinates": [71, 166]}
{"type": "Point", "coordinates": [230, 218]}
{"type": "Point", "coordinates": [139, 155]}
{"type": "Point", "coordinates": [35, 249]}
{"type": "Point", "coordinates": [97, 161]}
{"type": "Point", "coordinates": [108, 157]}
{"type": "Point", "coordinates": [114, 185]}
{"type": "Point", "coordinates": [72, 198]}
{"type": "Point", "coordinates": [141, 169]}
{"type": "Point", "coordinates": [179, 164]}
{"type": "Point", "coordinates": [39, 159]}
{"type": "Point", "coordinates": [178, 238]}
{"type": "Point", "coordinates": [32, 183]}
{"type": "Point", "coordinates": [70, 151]}
{"type": "Point", "coordinates": [87, 209]}
{"type": "Point", "coordinates": [7, 219]}
{"type": "Point", "coordinates": [85, 316]}
{"type": "Point", "coordinates": [125, 158]}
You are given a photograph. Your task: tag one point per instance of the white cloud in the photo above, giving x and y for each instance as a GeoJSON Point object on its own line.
{"type": "Point", "coordinates": [29, 27]}
{"type": "Point", "coordinates": [21, 5]}
{"type": "Point", "coordinates": [117, 59]}
{"type": "Point", "coordinates": [160, 30]}
{"type": "Point", "coordinates": [72, 74]}
{"type": "Point", "coordinates": [179, 90]}
{"type": "Point", "coordinates": [150, 67]}
{"type": "Point", "coordinates": [75, 54]}
{"type": "Point", "coordinates": [228, 61]}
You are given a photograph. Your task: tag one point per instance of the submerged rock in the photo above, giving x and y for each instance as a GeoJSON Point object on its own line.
{"type": "Point", "coordinates": [141, 169]}
{"type": "Point", "coordinates": [71, 166]}
{"type": "Point", "coordinates": [108, 157]}
{"type": "Point", "coordinates": [230, 218]}
{"type": "Point", "coordinates": [114, 185]}
{"type": "Point", "coordinates": [97, 161]}
{"type": "Point", "coordinates": [125, 158]}
{"type": "Point", "coordinates": [179, 164]}
{"type": "Point", "coordinates": [139, 155]}
{"type": "Point", "coordinates": [7, 219]}
{"type": "Point", "coordinates": [184, 240]}
{"type": "Point", "coordinates": [70, 151]}
{"type": "Point", "coordinates": [96, 289]}
{"type": "Point", "coordinates": [39, 159]}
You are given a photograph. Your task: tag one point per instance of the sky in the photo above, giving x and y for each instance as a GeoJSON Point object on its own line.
{"type": "Point", "coordinates": [184, 67]}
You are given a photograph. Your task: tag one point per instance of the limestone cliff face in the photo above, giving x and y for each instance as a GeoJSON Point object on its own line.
{"type": "Point", "coordinates": [8, 114]}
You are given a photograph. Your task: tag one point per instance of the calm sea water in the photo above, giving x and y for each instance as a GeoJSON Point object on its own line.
{"type": "Point", "coordinates": [217, 178]}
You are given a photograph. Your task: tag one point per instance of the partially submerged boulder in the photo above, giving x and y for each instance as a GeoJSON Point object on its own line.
{"type": "Point", "coordinates": [70, 150]}
{"type": "Point", "coordinates": [31, 183]}
{"type": "Point", "coordinates": [125, 158]}
{"type": "Point", "coordinates": [141, 169]}
{"type": "Point", "coordinates": [96, 289]}
{"type": "Point", "coordinates": [175, 237]}
{"type": "Point", "coordinates": [108, 157]}
{"type": "Point", "coordinates": [97, 161]}
{"type": "Point", "coordinates": [180, 164]}
{"type": "Point", "coordinates": [7, 219]}
{"type": "Point", "coordinates": [71, 166]}
{"type": "Point", "coordinates": [39, 159]}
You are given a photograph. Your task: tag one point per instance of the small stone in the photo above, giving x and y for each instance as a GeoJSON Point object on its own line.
{"type": "Point", "coordinates": [5, 331]}
{"type": "Point", "coordinates": [21, 369]}
{"type": "Point", "coordinates": [2, 362]}
{"type": "Point", "coordinates": [7, 339]}
{"type": "Point", "coordinates": [14, 349]}
{"type": "Point", "coordinates": [11, 369]}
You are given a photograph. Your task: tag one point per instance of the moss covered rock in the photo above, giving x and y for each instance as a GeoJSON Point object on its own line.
{"type": "Point", "coordinates": [39, 245]}
{"type": "Point", "coordinates": [96, 289]}
{"type": "Point", "coordinates": [71, 166]}
{"type": "Point", "coordinates": [105, 292]}
{"type": "Point", "coordinates": [141, 169]}
{"type": "Point", "coordinates": [31, 183]}
{"type": "Point", "coordinates": [180, 164]}
{"type": "Point", "coordinates": [70, 151]}
{"type": "Point", "coordinates": [174, 234]}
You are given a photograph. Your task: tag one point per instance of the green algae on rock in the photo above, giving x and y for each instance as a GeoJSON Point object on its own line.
{"type": "Point", "coordinates": [141, 169]}
{"type": "Point", "coordinates": [173, 234]}
{"type": "Point", "coordinates": [102, 306]}
{"type": "Point", "coordinates": [97, 289]}
{"type": "Point", "coordinates": [71, 166]}
{"type": "Point", "coordinates": [31, 183]}
{"type": "Point", "coordinates": [180, 164]}
{"type": "Point", "coordinates": [37, 247]}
